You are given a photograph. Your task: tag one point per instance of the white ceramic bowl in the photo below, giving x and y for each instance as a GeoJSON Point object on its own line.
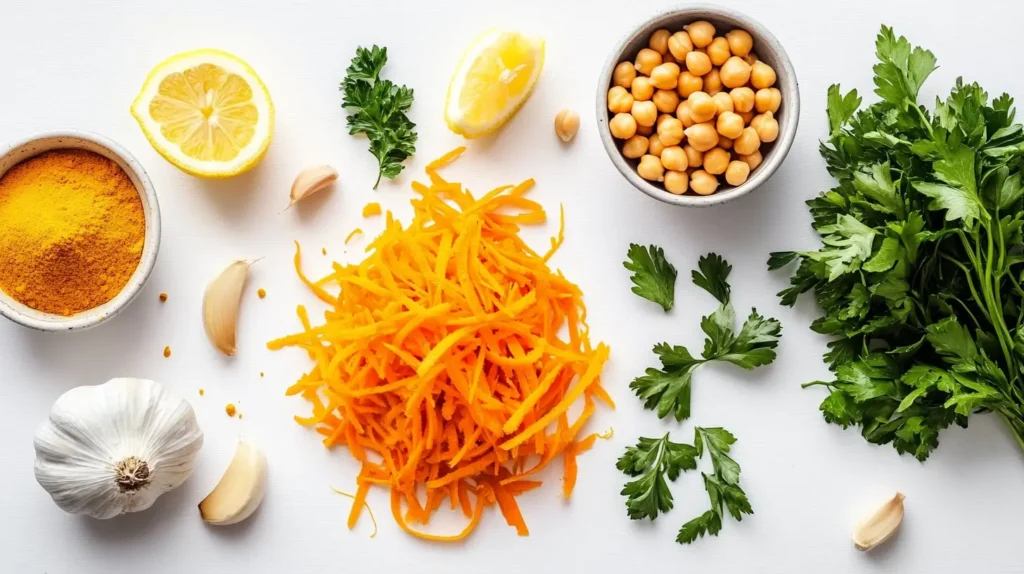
{"type": "Point", "coordinates": [18, 151]}
{"type": "Point", "coordinates": [768, 50]}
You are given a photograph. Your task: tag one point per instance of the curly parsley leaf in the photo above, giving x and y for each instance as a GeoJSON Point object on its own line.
{"type": "Point", "coordinates": [654, 278]}
{"type": "Point", "coordinates": [655, 462]}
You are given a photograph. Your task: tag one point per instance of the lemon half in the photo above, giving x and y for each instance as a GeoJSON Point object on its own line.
{"type": "Point", "coordinates": [206, 112]}
{"type": "Point", "coordinates": [494, 78]}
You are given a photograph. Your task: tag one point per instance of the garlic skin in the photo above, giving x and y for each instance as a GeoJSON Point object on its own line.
{"type": "Point", "coordinates": [881, 525]}
{"type": "Point", "coordinates": [115, 448]}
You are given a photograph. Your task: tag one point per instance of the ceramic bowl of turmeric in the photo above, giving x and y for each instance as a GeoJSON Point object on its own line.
{"type": "Point", "coordinates": [79, 230]}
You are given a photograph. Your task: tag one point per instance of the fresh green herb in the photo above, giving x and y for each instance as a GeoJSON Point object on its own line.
{"type": "Point", "coordinates": [655, 462]}
{"type": "Point", "coordinates": [920, 269]}
{"type": "Point", "coordinates": [378, 109]}
{"type": "Point", "coordinates": [723, 485]}
{"type": "Point", "coordinates": [667, 390]}
{"type": "Point", "coordinates": [654, 278]}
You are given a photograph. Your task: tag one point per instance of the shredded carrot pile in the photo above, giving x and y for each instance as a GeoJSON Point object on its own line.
{"type": "Point", "coordinates": [441, 364]}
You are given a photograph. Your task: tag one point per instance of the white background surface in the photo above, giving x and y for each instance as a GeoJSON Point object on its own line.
{"type": "Point", "coordinates": [79, 64]}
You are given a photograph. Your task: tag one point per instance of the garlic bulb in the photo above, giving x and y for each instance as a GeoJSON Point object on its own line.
{"type": "Point", "coordinates": [115, 448]}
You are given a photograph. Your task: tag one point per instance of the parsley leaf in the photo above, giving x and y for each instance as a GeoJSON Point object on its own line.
{"type": "Point", "coordinates": [654, 278]}
{"type": "Point", "coordinates": [655, 462]}
{"type": "Point", "coordinates": [712, 275]}
{"type": "Point", "coordinates": [378, 108]}
{"type": "Point", "coordinates": [722, 485]}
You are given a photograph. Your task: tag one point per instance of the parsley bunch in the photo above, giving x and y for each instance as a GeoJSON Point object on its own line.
{"type": "Point", "coordinates": [378, 109]}
{"type": "Point", "coordinates": [922, 259]}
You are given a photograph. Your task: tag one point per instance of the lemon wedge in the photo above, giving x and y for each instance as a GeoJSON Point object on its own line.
{"type": "Point", "coordinates": [494, 78]}
{"type": "Point", "coordinates": [206, 112]}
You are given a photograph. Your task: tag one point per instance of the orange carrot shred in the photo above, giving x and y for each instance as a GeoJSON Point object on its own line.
{"type": "Point", "coordinates": [359, 503]}
{"type": "Point", "coordinates": [355, 232]}
{"type": "Point", "coordinates": [440, 363]}
{"type": "Point", "coordinates": [372, 208]}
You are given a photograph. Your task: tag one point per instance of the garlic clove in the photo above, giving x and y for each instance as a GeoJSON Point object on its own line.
{"type": "Point", "coordinates": [241, 489]}
{"type": "Point", "coordinates": [311, 180]}
{"type": "Point", "coordinates": [221, 303]}
{"type": "Point", "coordinates": [881, 525]}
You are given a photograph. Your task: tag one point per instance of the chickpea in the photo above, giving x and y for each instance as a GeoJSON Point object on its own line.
{"type": "Point", "coordinates": [702, 107]}
{"type": "Point", "coordinates": [716, 160]}
{"type": "Point", "coordinates": [701, 33]}
{"type": "Point", "coordinates": [660, 120]}
{"type": "Point", "coordinates": [737, 172]}
{"type": "Point", "coordinates": [747, 116]}
{"type": "Point", "coordinates": [768, 100]}
{"type": "Point", "coordinates": [635, 147]}
{"type": "Point", "coordinates": [659, 41]}
{"type": "Point", "coordinates": [723, 101]}
{"type": "Point", "coordinates": [713, 82]}
{"type": "Point", "coordinates": [729, 125]}
{"type": "Point", "coordinates": [646, 60]}
{"type": "Point", "coordinates": [702, 136]}
{"type": "Point", "coordinates": [724, 142]}
{"type": "Point", "coordinates": [668, 58]}
{"type": "Point", "coordinates": [677, 182]}
{"type": "Point", "coordinates": [670, 132]}
{"type": "Point", "coordinates": [666, 101]}
{"type": "Point", "coordinates": [619, 100]}
{"type": "Point", "coordinates": [623, 126]}
{"type": "Point", "coordinates": [766, 126]}
{"type": "Point", "coordinates": [645, 131]}
{"type": "Point", "coordinates": [654, 145]}
{"type": "Point", "coordinates": [683, 114]}
{"type": "Point", "coordinates": [665, 76]}
{"type": "Point", "coordinates": [642, 89]}
{"type": "Point", "coordinates": [747, 143]}
{"type": "Point", "coordinates": [674, 158]}
{"type": "Point", "coordinates": [694, 158]}
{"type": "Point", "coordinates": [688, 84]}
{"type": "Point", "coordinates": [740, 42]}
{"type": "Point", "coordinates": [735, 72]}
{"type": "Point", "coordinates": [751, 58]}
{"type": "Point", "coordinates": [679, 45]}
{"type": "Point", "coordinates": [698, 63]}
{"type": "Point", "coordinates": [645, 113]}
{"type": "Point", "coordinates": [703, 183]}
{"type": "Point", "coordinates": [753, 160]}
{"type": "Point", "coordinates": [623, 75]}
{"type": "Point", "coordinates": [650, 168]}
{"type": "Point", "coordinates": [718, 51]}
{"type": "Point", "coordinates": [742, 99]}
{"type": "Point", "coordinates": [761, 75]}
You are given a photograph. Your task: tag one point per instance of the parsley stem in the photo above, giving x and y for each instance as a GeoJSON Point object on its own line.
{"type": "Point", "coordinates": [376, 183]}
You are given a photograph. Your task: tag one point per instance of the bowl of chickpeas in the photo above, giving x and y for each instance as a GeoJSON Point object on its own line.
{"type": "Point", "coordinates": [698, 106]}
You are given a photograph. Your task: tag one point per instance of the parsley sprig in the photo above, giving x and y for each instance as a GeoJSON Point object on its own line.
{"type": "Point", "coordinates": [722, 485]}
{"type": "Point", "coordinates": [654, 278]}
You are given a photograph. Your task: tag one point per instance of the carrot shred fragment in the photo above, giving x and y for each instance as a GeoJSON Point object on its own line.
{"type": "Point", "coordinates": [440, 363]}
{"type": "Point", "coordinates": [359, 504]}
{"type": "Point", "coordinates": [370, 209]}
{"type": "Point", "coordinates": [356, 231]}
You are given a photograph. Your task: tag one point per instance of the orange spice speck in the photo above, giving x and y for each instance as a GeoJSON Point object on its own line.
{"type": "Point", "coordinates": [163, 297]}
{"type": "Point", "coordinates": [167, 352]}
{"type": "Point", "coordinates": [201, 392]}
{"type": "Point", "coordinates": [323, 250]}
{"type": "Point", "coordinates": [261, 373]}
{"type": "Point", "coordinates": [240, 416]}
{"type": "Point", "coordinates": [261, 292]}
{"type": "Point", "coordinates": [230, 410]}
{"type": "Point", "coordinates": [372, 208]}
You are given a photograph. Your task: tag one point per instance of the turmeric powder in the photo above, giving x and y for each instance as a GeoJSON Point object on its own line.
{"type": "Point", "coordinates": [72, 229]}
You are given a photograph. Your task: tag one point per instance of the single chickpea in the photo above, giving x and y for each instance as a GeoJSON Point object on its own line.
{"type": "Point", "coordinates": [661, 118]}
{"type": "Point", "coordinates": [716, 161]}
{"type": "Point", "coordinates": [646, 60]}
{"type": "Point", "coordinates": [740, 42]}
{"type": "Point", "coordinates": [724, 142]}
{"type": "Point", "coordinates": [747, 143]}
{"type": "Point", "coordinates": [747, 116]}
{"type": "Point", "coordinates": [635, 147]}
{"type": "Point", "coordinates": [702, 107]}
{"type": "Point", "coordinates": [737, 172]}
{"type": "Point", "coordinates": [751, 58]}
{"type": "Point", "coordinates": [623, 126]}
{"type": "Point", "coordinates": [665, 76]}
{"type": "Point", "coordinates": [761, 75]}
{"type": "Point", "coordinates": [679, 45]}
{"type": "Point", "coordinates": [723, 101]}
{"type": "Point", "coordinates": [645, 113]}
{"type": "Point", "coordinates": [666, 101]}
{"type": "Point", "coordinates": [701, 33]}
{"type": "Point", "coordinates": [654, 145]}
{"type": "Point", "coordinates": [645, 131]}
{"type": "Point", "coordinates": [659, 41]}
{"type": "Point", "coordinates": [713, 82]}
{"type": "Point", "coordinates": [703, 183]}
{"type": "Point", "coordinates": [619, 100]}
{"type": "Point", "coordinates": [623, 75]}
{"type": "Point", "coordinates": [718, 51]}
{"type": "Point", "coordinates": [729, 125]}
{"type": "Point", "coordinates": [735, 72]}
{"type": "Point", "coordinates": [694, 158]}
{"type": "Point", "coordinates": [768, 100]}
{"type": "Point", "coordinates": [753, 160]}
{"type": "Point", "coordinates": [766, 126]}
{"type": "Point", "coordinates": [674, 158]}
{"type": "Point", "coordinates": [702, 136]}
{"type": "Point", "coordinates": [676, 182]}
{"type": "Point", "coordinates": [642, 89]}
{"type": "Point", "coordinates": [683, 114]}
{"type": "Point", "coordinates": [670, 132]}
{"type": "Point", "coordinates": [698, 63]}
{"type": "Point", "coordinates": [688, 84]}
{"type": "Point", "coordinates": [650, 168]}
{"type": "Point", "coordinates": [742, 99]}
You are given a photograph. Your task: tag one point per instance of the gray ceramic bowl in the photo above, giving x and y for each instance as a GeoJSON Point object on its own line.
{"type": "Point", "coordinates": [768, 50]}
{"type": "Point", "coordinates": [21, 150]}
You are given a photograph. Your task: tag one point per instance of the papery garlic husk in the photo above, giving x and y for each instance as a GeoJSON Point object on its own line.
{"type": "Point", "coordinates": [241, 489]}
{"type": "Point", "coordinates": [311, 180]}
{"type": "Point", "coordinates": [881, 525]}
{"type": "Point", "coordinates": [115, 448]}
{"type": "Point", "coordinates": [221, 303]}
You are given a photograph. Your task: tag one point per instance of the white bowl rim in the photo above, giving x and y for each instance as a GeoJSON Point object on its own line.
{"type": "Point", "coordinates": [92, 317]}
{"type": "Point", "coordinates": [783, 144]}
